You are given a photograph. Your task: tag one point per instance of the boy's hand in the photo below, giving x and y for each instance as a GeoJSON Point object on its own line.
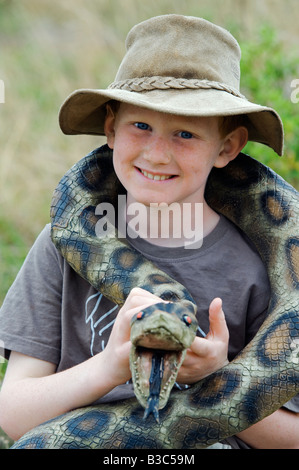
{"type": "Point", "coordinates": [205, 356]}
{"type": "Point", "coordinates": [209, 354]}
{"type": "Point", "coordinates": [118, 347]}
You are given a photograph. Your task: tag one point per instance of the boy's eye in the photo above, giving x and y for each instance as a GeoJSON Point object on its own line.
{"type": "Point", "coordinates": [141, 125]}
{"type": "Point", "coordinates": [185, 135]}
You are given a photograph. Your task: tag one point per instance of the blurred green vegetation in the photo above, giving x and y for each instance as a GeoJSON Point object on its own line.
{"type": "Point", "coordinates": [50, 48]}
{"type": "Point", "coordinates": [266, 76]}
{"type": "Point", "coordinates": [13, 251]}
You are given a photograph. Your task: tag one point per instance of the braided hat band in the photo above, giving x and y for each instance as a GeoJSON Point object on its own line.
{"type": "Point", "coordinates": [143, 84]}
{"type": "Point", "coordinates": [178, 65]}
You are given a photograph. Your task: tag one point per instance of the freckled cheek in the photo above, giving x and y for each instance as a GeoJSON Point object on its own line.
{"type": "Point", "coordinates": [119, 165]}
{"type": "Point", "coordinates": [196, 170]}
{"type": "Point", "coordinates": [126, 151]}
{"type": "Point", "coordinates": [124, 170]}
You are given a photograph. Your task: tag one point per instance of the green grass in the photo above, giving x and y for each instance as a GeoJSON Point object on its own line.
{"type": "Point", "coordinates": [13, 249]}
{"type": "Point", "coordinates": [267, 74]}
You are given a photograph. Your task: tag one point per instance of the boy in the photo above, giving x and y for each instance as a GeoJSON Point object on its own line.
{"type": "Point", "coordinates": [168, 120]}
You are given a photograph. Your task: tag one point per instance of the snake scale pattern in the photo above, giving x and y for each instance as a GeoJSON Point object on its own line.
{"type": "Point", "coordinates": [263, 377]}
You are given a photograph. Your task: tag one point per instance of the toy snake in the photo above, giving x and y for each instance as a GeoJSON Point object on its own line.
{"type": "Point", "coordinates": [263, 377]}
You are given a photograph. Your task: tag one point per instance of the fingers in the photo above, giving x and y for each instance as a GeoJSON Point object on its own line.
{"type": "Point", "coordinates": [119, 343]}
{"type": "Point", "coordinates": [199, 348]}
{"type": "Point", "coordinates": [140, 298]}
{"type": "Point", "coordinates": [216, 341]}
{"type": "Point", "coordinates": [218, 326]}
{"type": "Point", "coordinates": [137, 300]}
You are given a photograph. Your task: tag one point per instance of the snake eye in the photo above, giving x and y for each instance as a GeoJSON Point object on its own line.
{"type": "Point", "coordinates": [139, 315]}
{"type": "Point", "coordinates": [187, 320]}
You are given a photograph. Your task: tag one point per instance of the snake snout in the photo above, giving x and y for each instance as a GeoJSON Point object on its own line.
{"type": "Point", "coordinates": [160, 335]}
{"type": "Point", "coordinates": [152, 382]}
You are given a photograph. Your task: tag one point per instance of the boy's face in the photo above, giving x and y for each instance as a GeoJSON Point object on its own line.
{"type": "Point", "coordinates": [160, 157]}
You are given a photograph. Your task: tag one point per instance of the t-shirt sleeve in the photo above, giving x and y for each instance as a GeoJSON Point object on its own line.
{"type": "Point", "coordinates": [293, 404]}
{"type": "Point", "coordinates": [30, 320]}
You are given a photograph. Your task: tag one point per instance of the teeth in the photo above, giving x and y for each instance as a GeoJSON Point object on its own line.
{"type": "Point", "coordinates": [155, 177]}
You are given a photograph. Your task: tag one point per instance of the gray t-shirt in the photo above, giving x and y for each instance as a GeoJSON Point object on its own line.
{"type": "Point", "coordinates": [51, 313]}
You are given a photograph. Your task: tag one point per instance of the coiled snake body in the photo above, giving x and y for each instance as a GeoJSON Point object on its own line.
{"type": "Point", "coordinates": [263, 377]}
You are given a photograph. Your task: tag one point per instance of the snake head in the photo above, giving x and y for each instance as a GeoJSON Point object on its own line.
{"type": "Point", "coordinates": [160, 336]}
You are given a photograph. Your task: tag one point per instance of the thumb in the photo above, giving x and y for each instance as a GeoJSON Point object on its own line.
{"type": "Point", "coordinates": [218, 326]}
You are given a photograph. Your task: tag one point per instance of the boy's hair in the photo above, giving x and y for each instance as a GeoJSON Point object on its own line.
{"type": "Point", "coordinates": [227, 124]}
{"type": "Point", "coordinates": [114, 105]}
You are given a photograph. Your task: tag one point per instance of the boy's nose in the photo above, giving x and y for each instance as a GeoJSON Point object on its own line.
{"type": "Point", "coordinates": [158, 152]}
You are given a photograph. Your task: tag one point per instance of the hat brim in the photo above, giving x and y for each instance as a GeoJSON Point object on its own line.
{"type": "Point", "coordinates": [83, 112]}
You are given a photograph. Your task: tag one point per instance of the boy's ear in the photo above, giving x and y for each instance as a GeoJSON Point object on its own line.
{"type": "Point", "coordinates": [233, 143]}
{"type": "Point", "coordinates": [109, 126]}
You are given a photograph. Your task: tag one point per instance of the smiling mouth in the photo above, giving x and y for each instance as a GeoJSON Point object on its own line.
{"type": "Point", "coordinates": [156, 177]}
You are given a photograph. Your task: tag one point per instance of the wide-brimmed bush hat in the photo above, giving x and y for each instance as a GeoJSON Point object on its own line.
{"type": "Point", "coordinates": [177, 65]}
